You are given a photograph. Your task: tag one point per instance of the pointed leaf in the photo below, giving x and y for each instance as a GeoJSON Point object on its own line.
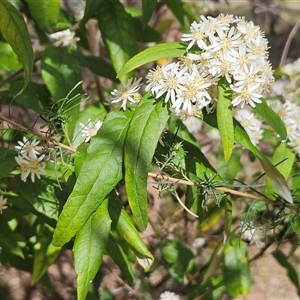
{"type": "Point", "coordinates": [14, 30]}
{"type": "Point", "coordinates": [123, 225]}
{"type": "Point", "coordinates": [148, 7]}
{"type": "Point", "coordinates": [291, 271]}
{"type": "Point", "coordinates": [224, 117]}
{"type": "Point", "coordinates": [271, 118]}
{"type": "Point", "coordinates": [45, 13]}
{"type": "Point", "coordinates": [165, 50]}
{"type": "Point", "coordinates": [236, 269]}
{"type": "Point", "coordinates": [119, 257]}
{"type": "Point", "coordinates": [146, 126]}
{"type": "Point", "coordinates": [89, 247]}
{"type": "Point", "coordinates": [8, 238]}
{"type": "Point", "coordinates": [99, 174]}
{"type": "Point", "coordinates": [7, 160]}
{"type": "Point", "coordinates": [44, 254]}
{"type": "Point", "coordinates": [243, 139]}
{"type": "Point", "coordinates": [176, 7]}
{"type": "Point", "coordinates": [96, 65]}
{"type": "Point", "coordinates": [117, 31]}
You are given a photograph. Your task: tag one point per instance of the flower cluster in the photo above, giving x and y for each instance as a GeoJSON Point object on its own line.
{"type": "Point", "coordinates": [251, 124]}
{"type": "Point", "coordinates": [29, 159]}
{"type": "Point", "coordinates": [222, 47]}
{"type": "Point", "coordinates": [169, 296]}
{"type": "Point", "coordinates": [284, 92]}
{"type": "Point", "coordinates": [64, 38]}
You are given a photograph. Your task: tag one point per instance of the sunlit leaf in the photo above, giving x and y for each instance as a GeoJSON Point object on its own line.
{"type": "Point", "coordinates": [224, 117]}
{"type": "Point", "coordinates": [165, 50]}
{"type": "Point", "coordinates": [15, 32]}
{"type": "Point", "coordinates": [45, 13]}
{"type": "Point", "coordinates": [146, 126]}
{"type": "Point", "coordinates": [236, 269]}
{"type": "Point", "coordinates": [99, 174]}
{"type": "Point", "coordinates": [89, 247]}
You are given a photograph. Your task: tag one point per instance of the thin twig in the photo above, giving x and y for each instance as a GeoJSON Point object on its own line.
{"type": "Point", "coordinates": [184, 207]}
{"type": "Point", "coordinates": [288, 43]}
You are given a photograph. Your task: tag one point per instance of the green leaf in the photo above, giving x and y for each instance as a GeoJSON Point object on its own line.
{"type": "Point", "coordinates": [283, 158]}
{"type": "Point", "coordinates": [291, 271]}
{"type": "Point", "coordinates": [224, 117]}
{"type": "Point", "coordinates": [99, 174]}
{"type": "Point", "coordinates": [236, 269]}
{"type": "Point", "coordinates": [61, 74]}
{"type": "Point", "coordinates": [271, 118]}
{"type": "Point", "coordinates": [8, 238]}
{"type": "Point", "coordinates": [15, 32]}
{"type": "Point", "coordinates": [80, 156]}
{"type": "Point", "coordinates": [176, 8]}
{"type": "Point", "coordinates": [145, 34]}
{"type": "Point", "coordinates": [45, 13]}
{"type": "Point", "coordinates": [7, 160]}
{"type": "Point", "coordinates": [243, 139]}
{"type": "Point", "coordinates": [148, 7]}
{"type": "Point", "coordinates": [89, 247]}
{"type": "Point", "coordinates": [123, 225]}
{"type": "Point", "coordinates": [45, 254]}
{"type": "Point", "coordinates": [146, 126]}
{"type": "Point", "coordinates": [120, 258]}
{"type": "Point", "coordinates": [90, 11]}
{"type": "Point", "coordinates": [117, 31]}
{"type": "Point", "coordinates": [9, 60]}
{"type": "Point", "coordinates": [165, 50]}
{"type": "Point", "coordinates": [97, 65]}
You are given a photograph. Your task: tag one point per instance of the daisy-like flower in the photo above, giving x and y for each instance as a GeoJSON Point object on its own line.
{"type": "Point", "coordinates": [251, 124]}
{"type": "Point", "coordinates": [28, 147]}
{"type": "Point", "coordinates": [64, 38]}
{"type": "Point", "coordinates": [246, 94]}
{"type": "Point", "coordinates": [31, 165]}
{"type": "Point", "coordinates": [88, 130]}
{"type": "Point", "coordinates": [129, 92]}
{"type": "Point", "coordinates": [173, 79]}
{"type": "Point", "coordinates": [3, 204]}
{"type": "Point", "coordinates": [169, 296]}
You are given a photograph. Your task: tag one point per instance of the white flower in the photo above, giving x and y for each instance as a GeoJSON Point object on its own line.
{"type": "Point", "coordinates": [3, 204]}
{"type": "Point", "coordinates": [31, 165]}
{"type": "Point", "coordinates": [28, 147]}
{"type": "Point", "coordinates": [64, 38]}
{"type": "Point", "coordinates": [129, 92]}
{"type": "Point", "coordinates": [173, 78]}
{"type": "Point", "coordinates": [246, 94]}
{"type": "Point", "coordinates": [169, 296]}
{"type": "Point", "coordinates": [251, 124]}
{"type": "Point", "coordinates": [88, 130]}
{"type": "Point", "coordinates": [193, 124]}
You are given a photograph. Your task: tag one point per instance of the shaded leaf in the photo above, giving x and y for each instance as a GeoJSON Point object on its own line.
{"type": "Point", "coordinates": [7, 160]}
{"type": "Point", "coordinates": [45, 254]}
{"type": "Point", "coordinates": [140, 144]}
{"type": "Point", "coordinates": [176, 7]}
{"type": "Point", "coordinates": [123, 225]}
{"type": "Point", "coordinates": [100, 172]}
{"type": "Point", "coordinates": [89, 247]}
{"type": "Point", "coordinates": [119, 257]}
{"type": "Point", "coordinates": [148, 7]}
{"type": "Point", "coordinates": [8, 238]}
{"type": "Point", "coordinates": [145, 34]}
{"type": "Point", "coordinates": [271, 118]}
{"type": "Point", "coordinates": [291, 271]}
{"type": "Point", "coordinates": [15, 32]}
{"type": "Point", "coordinates": [117, 31]}
{"type": "Point", "coordinates": [165, 50]}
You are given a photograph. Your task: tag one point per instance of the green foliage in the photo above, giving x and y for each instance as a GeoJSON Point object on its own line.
{"type": "Point", "coordinates": [95, 164]}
